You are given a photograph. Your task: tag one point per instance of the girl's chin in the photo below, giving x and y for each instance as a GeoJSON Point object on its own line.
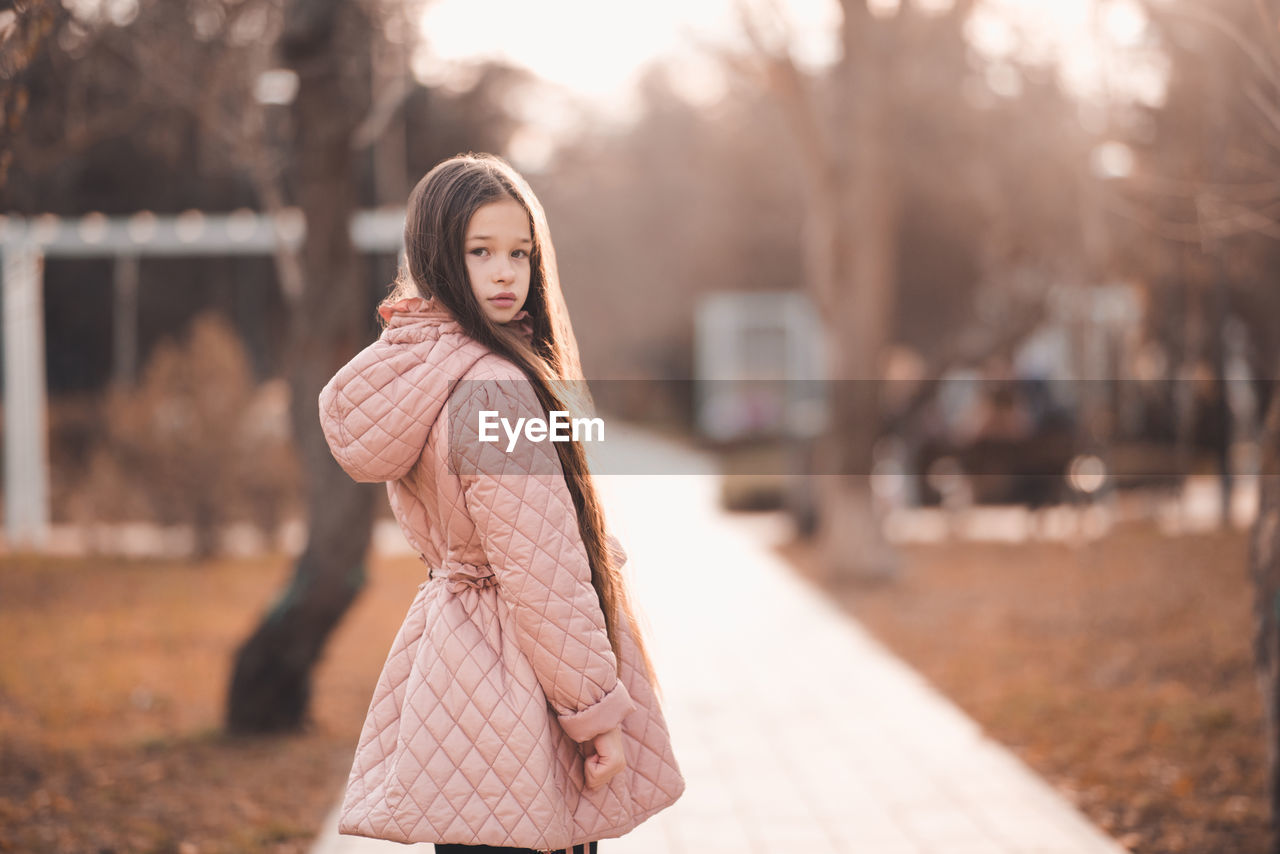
{"type": "Point", "coordinates": [501, 315]}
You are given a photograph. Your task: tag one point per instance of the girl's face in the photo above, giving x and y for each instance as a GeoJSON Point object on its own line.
{"type": "Point", "coordinates": [497, 246]}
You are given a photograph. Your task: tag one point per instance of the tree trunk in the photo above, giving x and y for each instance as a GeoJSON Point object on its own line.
{"type": "Point", "coordinates": [1264, 566]}
{"type": "Point", "coordinates": [271, 683]}
{"type": "Point", "coordinates": [858, 295]}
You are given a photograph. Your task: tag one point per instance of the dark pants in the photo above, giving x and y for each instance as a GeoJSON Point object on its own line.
{"type": "Point", "coordinates": [450, 848]}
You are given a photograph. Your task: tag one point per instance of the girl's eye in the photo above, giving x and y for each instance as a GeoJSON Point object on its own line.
{"type": "Point", "coordinates": [521, 253]}
{"type": "Point", "coordinates": [478, 250]}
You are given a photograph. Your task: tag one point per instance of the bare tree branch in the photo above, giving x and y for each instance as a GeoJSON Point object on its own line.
{"type": "Point", "coordinates": [38, 159]}
{"type": "Point", "coordinates": [1241, 220]}
{"type": "Point", "coordinates": [1244, 191]}
{"type": "Point", "coordinates": [776, 68]}
{"type": "Point", "coordinates": [1264, 105]}
{"type": "Point", "coordinates": [382, 112]}
{"type": "Point", "coordinates": [248, 145]}
{"type": "Point", "coordinates": [1225, 26]}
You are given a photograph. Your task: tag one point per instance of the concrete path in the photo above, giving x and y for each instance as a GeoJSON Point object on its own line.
{"type": "Point", "coordinates": [795, 729]}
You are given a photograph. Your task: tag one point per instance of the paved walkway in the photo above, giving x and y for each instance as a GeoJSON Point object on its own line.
{"type": "Point", "coordinates": [795, 729]}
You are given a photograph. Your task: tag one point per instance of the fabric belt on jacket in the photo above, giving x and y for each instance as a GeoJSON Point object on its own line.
{"type": "Point", "coordinates": [461, 576]}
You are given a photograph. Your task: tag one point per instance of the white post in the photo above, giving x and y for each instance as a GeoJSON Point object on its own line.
{"type": "Point", "coordinates": [124, 321]}
{"type": "Point", "coordinates": [26, 448]}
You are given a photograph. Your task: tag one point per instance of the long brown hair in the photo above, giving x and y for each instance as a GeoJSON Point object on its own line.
{"type": "Point", "coordinates": [439, 210]}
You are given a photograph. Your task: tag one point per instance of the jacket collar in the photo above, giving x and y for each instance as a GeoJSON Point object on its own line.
{"type": "Point", "coordinates": [430, 310]}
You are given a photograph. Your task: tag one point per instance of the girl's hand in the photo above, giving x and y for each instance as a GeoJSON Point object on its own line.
{"type": "Point", "coordinates": [608, 759]}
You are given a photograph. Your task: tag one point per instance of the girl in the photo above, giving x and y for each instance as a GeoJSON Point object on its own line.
{"type": "Point", "coordinates": [516, 709]}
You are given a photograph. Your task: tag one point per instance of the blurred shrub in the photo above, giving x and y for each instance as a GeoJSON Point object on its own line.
{"type": "Point", "coordinates": [196, 442]}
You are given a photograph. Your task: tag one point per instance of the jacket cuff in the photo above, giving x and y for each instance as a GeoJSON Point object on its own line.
{"type": "Point", "coordinates": [619, 553]}
{"type": "Point", "coordinates": [604, 715]}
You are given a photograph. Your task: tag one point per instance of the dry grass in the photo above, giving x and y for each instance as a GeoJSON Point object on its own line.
{"type": "Point", "coordinates": [1121, 672]}
{"type": "Point", "coordinates": [111, 697]}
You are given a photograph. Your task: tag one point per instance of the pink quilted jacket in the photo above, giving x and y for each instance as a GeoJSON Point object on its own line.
{"type": "Point", "coordinates": [502, 671]}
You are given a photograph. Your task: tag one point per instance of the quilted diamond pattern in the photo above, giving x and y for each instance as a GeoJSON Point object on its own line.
{"type": "Point", "coordinates": [501, 670]}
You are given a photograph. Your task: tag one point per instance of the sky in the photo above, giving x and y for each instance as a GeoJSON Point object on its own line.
{"type": "Point", "coordinates": [592, 54]}
{"type": "Point", "coordinates": [596, 50]}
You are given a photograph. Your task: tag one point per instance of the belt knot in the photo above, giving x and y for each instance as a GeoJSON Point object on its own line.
{"type": "Point", "coordinates": [462, 576]}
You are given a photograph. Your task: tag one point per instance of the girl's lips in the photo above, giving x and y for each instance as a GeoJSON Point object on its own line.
{"type": "Point", "coordinates": [503, 301]}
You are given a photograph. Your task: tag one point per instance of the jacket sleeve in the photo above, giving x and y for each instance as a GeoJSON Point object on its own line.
{"type": "Point", "coordinates": [374, 411]}
{"type": "Point", "coordinates": [527, 524]}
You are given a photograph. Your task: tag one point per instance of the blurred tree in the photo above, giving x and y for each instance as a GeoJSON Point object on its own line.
{"type": "Point", "coordinates": [189, 94]}
{"type": "Point", "coordinates": [205, 62]}
{"type": "Point", "coordinates": [23, 28]}
{"type": "Point", "coordinates": [327, 45]}
{"type": "Point", "coordinates": [894, 89]}
{"type": "Point", "coordinates": [271, 683]}
{"type": "Point", "coordinates": [989, 210]}
{"type": "Point", "coordinates": [1192, 232]}
{"type": "Point", "coordinates": [1209, 197]}
{"type": "Point", "coordinates": [687, 199]}
{"type": "Point", "coordinates": [191, 90]}
{"type": "Point", "coordinates": [123, 90]}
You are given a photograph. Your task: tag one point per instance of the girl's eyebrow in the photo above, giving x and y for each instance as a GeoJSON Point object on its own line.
{"type": "Point", "coordinates": [489, 237]}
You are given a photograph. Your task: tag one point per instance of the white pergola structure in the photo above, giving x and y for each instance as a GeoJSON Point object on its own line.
{"type": "Point", "coordinates": [26, 242]}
